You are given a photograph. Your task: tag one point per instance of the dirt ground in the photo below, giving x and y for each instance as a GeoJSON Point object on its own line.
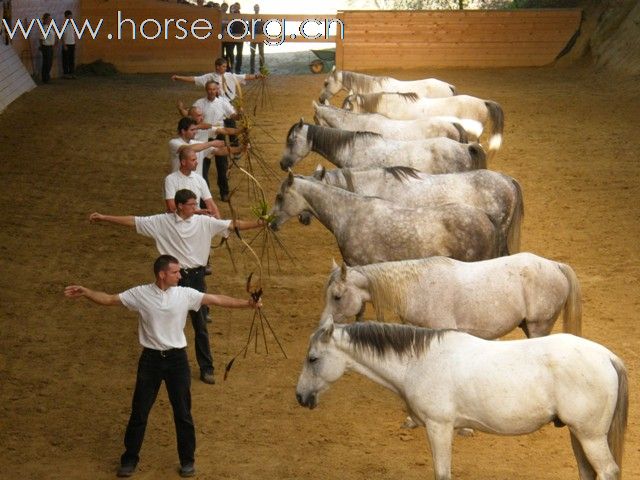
{"type": "Point", "coordinates": [67, 368]}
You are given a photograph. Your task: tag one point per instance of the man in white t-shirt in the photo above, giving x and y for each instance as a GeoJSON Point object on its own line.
{"type": "Point", "coordinates": [47, 42]}
{"type": "Point", "coordinates": [187, 178]}
{"type": "Point", "coordinates": [162, 308]}
{"type": "Point", "coordinates": [68, 47]}
{"type": "Point", "coordinates": [228, 81]}
{"type": "Point", "coordinates": [187, 129]}
{"type": "Point", "coordinates": [187, 237]}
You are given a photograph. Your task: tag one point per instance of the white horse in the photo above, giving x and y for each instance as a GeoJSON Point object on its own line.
{"type": "Point", "coordinates": [365, 150]}
{"type": "Point", "coordinates": [418, 129]}
{"type": "Point", "coordinates": [451, 380]}
{"type": "Point", "coordinates": [370, 230]}
{"type": "Point", "coordinates": [497, 194]}
{"type": "Point", "coordinates": [407, 106]}
{"type": "Point", "coordinates": [487, 299]}
{"type": "Point", "coordinates": [360, 83]}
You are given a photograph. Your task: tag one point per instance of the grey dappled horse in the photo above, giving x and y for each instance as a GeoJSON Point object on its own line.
{"type": "Point", "coordinates": [370, 230]}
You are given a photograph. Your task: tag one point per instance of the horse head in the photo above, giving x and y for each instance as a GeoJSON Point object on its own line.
{"type": "Point", "coordinates": [323, 365]}
{"type": "Point", "coordinates": [289, 203]}
{"type": "Point", "coordinates": [332, 85]}
{"type": "Point", "coordinates": [297, 146]}
{"type": "Point", "coordinates": [346, 294]}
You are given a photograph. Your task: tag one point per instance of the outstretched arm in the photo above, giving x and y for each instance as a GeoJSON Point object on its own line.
{"type": "Point", "coordinates": [101, 298]}
{"type": "Point", "coordinates": [184, 112]}
{"type": "Point", "coordinates": [230, 302]}
{"type": "Point", "coordinates": [128, 221]}
{"type": "Point", "coordinates": [180, 78]}
{"type": "Point", "coordinates": [247, 224]}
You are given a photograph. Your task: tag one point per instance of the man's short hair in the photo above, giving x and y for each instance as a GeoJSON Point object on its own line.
{"type": "Point", "coordinates": [162, 263]}
{"type": "Point", "coordinates": [184, 152]}
{"type": "Point", "coordinates": [67, 13]}
{"type": "Point", "coordinates": [185, 122]}
{"type": "Point", "coordinates": [206, 85]}
{"type": "Point", "coordinates": [220, 61]}
{"type": "Point", "coordinates": [183, 196]}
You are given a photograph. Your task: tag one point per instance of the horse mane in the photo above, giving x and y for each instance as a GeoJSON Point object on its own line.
{"type": "Point", "coordinates": [361, 83]}
{"type": "Point", "coordinates": [371, 101]}
{"type": "Point", "coordinates": [401, 173]}
{"type": "Point", "coordinates": [380, 338]}
{"type": "Point", "coordinates": [389, 282]}
{"type": "Point", "coordinates": [330, 141]}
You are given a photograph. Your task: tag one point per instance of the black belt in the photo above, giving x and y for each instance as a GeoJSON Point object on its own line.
{"type": "Point", "coordinates": [189, 271]}
{"type": "Point", "coordinates": [164, 353]}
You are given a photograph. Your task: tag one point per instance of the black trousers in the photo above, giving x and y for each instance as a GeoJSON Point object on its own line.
{"type": "Point", "coordinates": [194, 278]}
{"type": "Point", "coordinates": [69, 60]}
{"type": "Point", "coordinates": [47, 62]}
{"type": "Point", "coordinates": [227, 52]}
{"type": "Point", "coordinates": [253, 47]}
{"type": "Point", "coordinates": [154, 366]}
{"type": "Point", "coordinates": [237, 68]}
{"type": "Point", "coordinates": [222, 163]}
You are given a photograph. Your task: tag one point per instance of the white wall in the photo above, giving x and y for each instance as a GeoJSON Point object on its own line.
{"type": "Point", "coordinates": [14, 78]}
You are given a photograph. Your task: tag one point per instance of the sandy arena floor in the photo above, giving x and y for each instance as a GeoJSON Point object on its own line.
{"type": "Point", "coordinates": [67, 368]}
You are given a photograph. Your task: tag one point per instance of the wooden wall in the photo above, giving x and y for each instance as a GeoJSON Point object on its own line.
{"type": "Point", "coordinates": [481, 38]}
{"type": "Point", "coordinates": [146, 56]}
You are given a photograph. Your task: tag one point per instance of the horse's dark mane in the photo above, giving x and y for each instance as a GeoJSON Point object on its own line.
{"type": "Point", "coordinates": [402, 173]}
{"type": "Point", "coordinates": [370, 101]}
{"type": "Point", "coordinates": [329, 141]}
{"type": "Point", "coordinates": [380, 338]}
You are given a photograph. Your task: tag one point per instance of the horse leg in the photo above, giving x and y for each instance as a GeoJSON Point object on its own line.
{"type": "Point", "coordinates": [584, 467]}
{"type": "Point", "coordinates": [440, 437]}
{"type": "Point", "coordinates": [410, 423]}
{"type": "Point", "coordinates": [599, 457]}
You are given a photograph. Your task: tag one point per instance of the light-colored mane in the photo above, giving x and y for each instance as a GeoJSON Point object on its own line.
{"type": "Point", "coordinates": [361, 83]}
{"type": "Point", "coordinates": [378, 339]}
{"type": "Point", "coordinates": [388, 282]}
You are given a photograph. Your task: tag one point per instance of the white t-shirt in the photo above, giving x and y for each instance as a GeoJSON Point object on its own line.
{"type": "Point", "coordinates": [50, 39]}
{"type": "Point", "coordinates": [215, 111]}
{"type": "Point", "coordinates": [187, 240]}
{"type": "Point", "coordinates": [227, 84]}
{"type": "Point", "coordinates": [163, 313]}
{"type": "Point", "coordinates": [177, 181]}
{"type": "Point", "coordinates": [174, 157]}
{"type": "Point", "coordinates": [69, 35]}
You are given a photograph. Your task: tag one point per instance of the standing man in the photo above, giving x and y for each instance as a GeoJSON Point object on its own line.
{"type": "Point", "coordinates": [187, 178]}
{"type": "Point", "coordinates": [47, 42]}
{"type": "Point", "coordinates": [258, 30]}
{"type": "Point", "coordinates": [226, 80]}
{"type": "Point", "coordinates": [68, 47]}
{"type": "Point", "coordinates": [238, 29]}
{"type": "Point", "coordinates": [162, 308]}
{"type": "Point", "coordinates": [187, 237]}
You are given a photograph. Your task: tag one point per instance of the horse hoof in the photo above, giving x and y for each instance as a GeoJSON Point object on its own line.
{"type": "Point", "coordinates": [409, 423]}
{"type": "Point", "coordinates": [465, 432]}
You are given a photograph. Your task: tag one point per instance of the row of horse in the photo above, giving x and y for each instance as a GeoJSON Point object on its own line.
{"type": "Point", "coordinates": [426, 231]}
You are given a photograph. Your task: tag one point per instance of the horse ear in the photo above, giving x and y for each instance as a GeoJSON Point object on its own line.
{"type": "Point", "coordinates": [290, 178]}
{"type": "Point", "coordinates": [326, 102]}
{"type": "Point", "coordinates": [301, 122]}
{"type": "Point", "coordinates": [327, 327]}
{"type": "Point", "coordinates": [343, 272]}
{"type": "Point", "coordinates": [314, 103]}
{"type": "Point", "coordinates": [334, 265]}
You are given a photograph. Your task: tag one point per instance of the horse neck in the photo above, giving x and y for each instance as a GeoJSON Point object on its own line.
{"type": "Point", "coordinates": [326, 203]}
{"type": "Point", "coordinates": [388, 371]}
{"type": "Point", "coordinates": [326, 146]}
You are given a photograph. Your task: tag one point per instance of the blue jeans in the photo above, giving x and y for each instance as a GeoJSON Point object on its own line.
{"type": "Point", "coordinates": [154, 366]}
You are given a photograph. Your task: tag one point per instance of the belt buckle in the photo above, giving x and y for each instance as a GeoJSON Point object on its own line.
{"type": "Point", "coordinates": [163, 353]}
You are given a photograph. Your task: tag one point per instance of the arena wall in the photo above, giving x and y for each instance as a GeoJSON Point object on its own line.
{"type": "Point", "coordinates": [393, 40]}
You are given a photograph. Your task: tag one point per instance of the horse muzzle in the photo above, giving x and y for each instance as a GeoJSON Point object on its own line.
{"type": "Point", "coordinates": [286, 163]}
{"type": "Point", "coordinates": [309, 400]}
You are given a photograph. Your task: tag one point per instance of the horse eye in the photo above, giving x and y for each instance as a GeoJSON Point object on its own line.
{"type": "Point", "coordinates": [326, 83]}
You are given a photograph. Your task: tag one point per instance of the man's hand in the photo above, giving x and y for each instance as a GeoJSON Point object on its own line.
{"type": "Point", "coordinates": [96, 217]}
{"type": "Point", "coordinates": [74, 291]}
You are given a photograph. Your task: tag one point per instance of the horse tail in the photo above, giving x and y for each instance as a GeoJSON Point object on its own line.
{"type": "Point", "coordinates": [463, 136]}
{"type": "Point", "coordinates": [497, 121]}
{"type": "Point", "coordinates": [478, 157]}
{"type": "Point", "coordinates": [618, 426]}
{"type": "Point", "coordinates": [572, 315]}
{"type": "Point", "coordinates": [515, 221]}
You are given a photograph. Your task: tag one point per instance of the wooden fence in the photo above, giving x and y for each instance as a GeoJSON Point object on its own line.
{"type": "Point", "coordinates": [391, 40]}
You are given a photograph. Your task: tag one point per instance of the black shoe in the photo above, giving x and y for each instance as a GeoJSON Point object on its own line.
{"type": "Point", "coordinates": [187, 470]}
{"type": "Point", "coordinates": [224, 197]}
{"type": "Point", "coordinates": [207, 378]}
{"type": "Point", "coordinates": [126, 470]}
